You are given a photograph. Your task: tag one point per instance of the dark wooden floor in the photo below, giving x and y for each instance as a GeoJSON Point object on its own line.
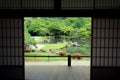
{"type": "Point", "coordinates": [57, 72]}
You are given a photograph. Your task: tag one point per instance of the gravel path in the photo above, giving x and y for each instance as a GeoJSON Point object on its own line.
{"type": "Point", "coordinates": [56, 71]}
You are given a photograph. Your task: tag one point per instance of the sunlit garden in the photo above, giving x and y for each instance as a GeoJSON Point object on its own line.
{"type": "Point", "coordinates": [57, 36]}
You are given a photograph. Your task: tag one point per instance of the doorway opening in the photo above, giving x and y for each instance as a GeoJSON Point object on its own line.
{"type": "Point", "coordinates": [57, 41]}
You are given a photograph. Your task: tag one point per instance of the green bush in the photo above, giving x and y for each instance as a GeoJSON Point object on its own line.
{"type": "Point", "coordinates": [28, 40]}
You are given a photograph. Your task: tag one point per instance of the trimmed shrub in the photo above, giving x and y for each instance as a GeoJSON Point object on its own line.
{"type": "Point", "coordinates": [28, 39]}
{"type": "Point", "coordinates": [62, 53]}
{"type": "Point", "coordinates": [77, 56]}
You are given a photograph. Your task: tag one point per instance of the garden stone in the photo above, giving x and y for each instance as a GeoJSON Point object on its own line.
{"type": "Point", "coordinates": [33, 48]}
{"type": "Point", "coordinates": [75, 44]}
{"type": "Point", "coordinates": [54, 51]}
{"type": "Point", "coordinates": [44, 50]}
{"type": "Point", "coordinates": [47, 40]}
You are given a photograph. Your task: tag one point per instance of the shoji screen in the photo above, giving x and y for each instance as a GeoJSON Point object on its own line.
{"type": "Point", "coordinates": [10, 4]}
{"type": "Point", "coordinates": [26, 4]}
{"type": "Point", "coordinates": [38, 4]}
{"type": "Point", "coordinates": [107, 4]}
{"type": "Point", "coordinates": [77, 4]}
{"type": "Point", "coordinates": [106, 42]}
{"type": "Point", "coordinates": [11, 48]}
{"type": "Point", "coordinates": [90, 4]}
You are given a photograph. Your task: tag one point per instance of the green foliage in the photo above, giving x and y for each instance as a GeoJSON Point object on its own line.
{"type": "Point", "coordinates": [84, 49]}
{"type": "Point", "coordinates": [28, 39]}
{"type": "Point", "coordinates": [84, 32]}
{"type": "Point", "coordinates": [37, 27]}
{"type": "Point", "coordinates": [57, 26]}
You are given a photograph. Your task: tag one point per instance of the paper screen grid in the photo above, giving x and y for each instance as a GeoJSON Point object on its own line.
{"type": "Point", "coordinates": [26, 4]}
{"type": "Point", "coordinates": [11, 42]}
{"type": "Point", "coordinates": [106, 45]}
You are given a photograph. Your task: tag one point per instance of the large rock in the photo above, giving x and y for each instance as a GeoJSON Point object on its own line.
{"type": "Point", "coordinates": [29, 48]}
{"type": "Point", "coordinates": [75, 44]}
{"type": "Point", "coordinates": [54, 51]}
{"type": "Point", "coordinates": [33, 48]}
{"type": "Point", "coordinates": [47, 40]}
